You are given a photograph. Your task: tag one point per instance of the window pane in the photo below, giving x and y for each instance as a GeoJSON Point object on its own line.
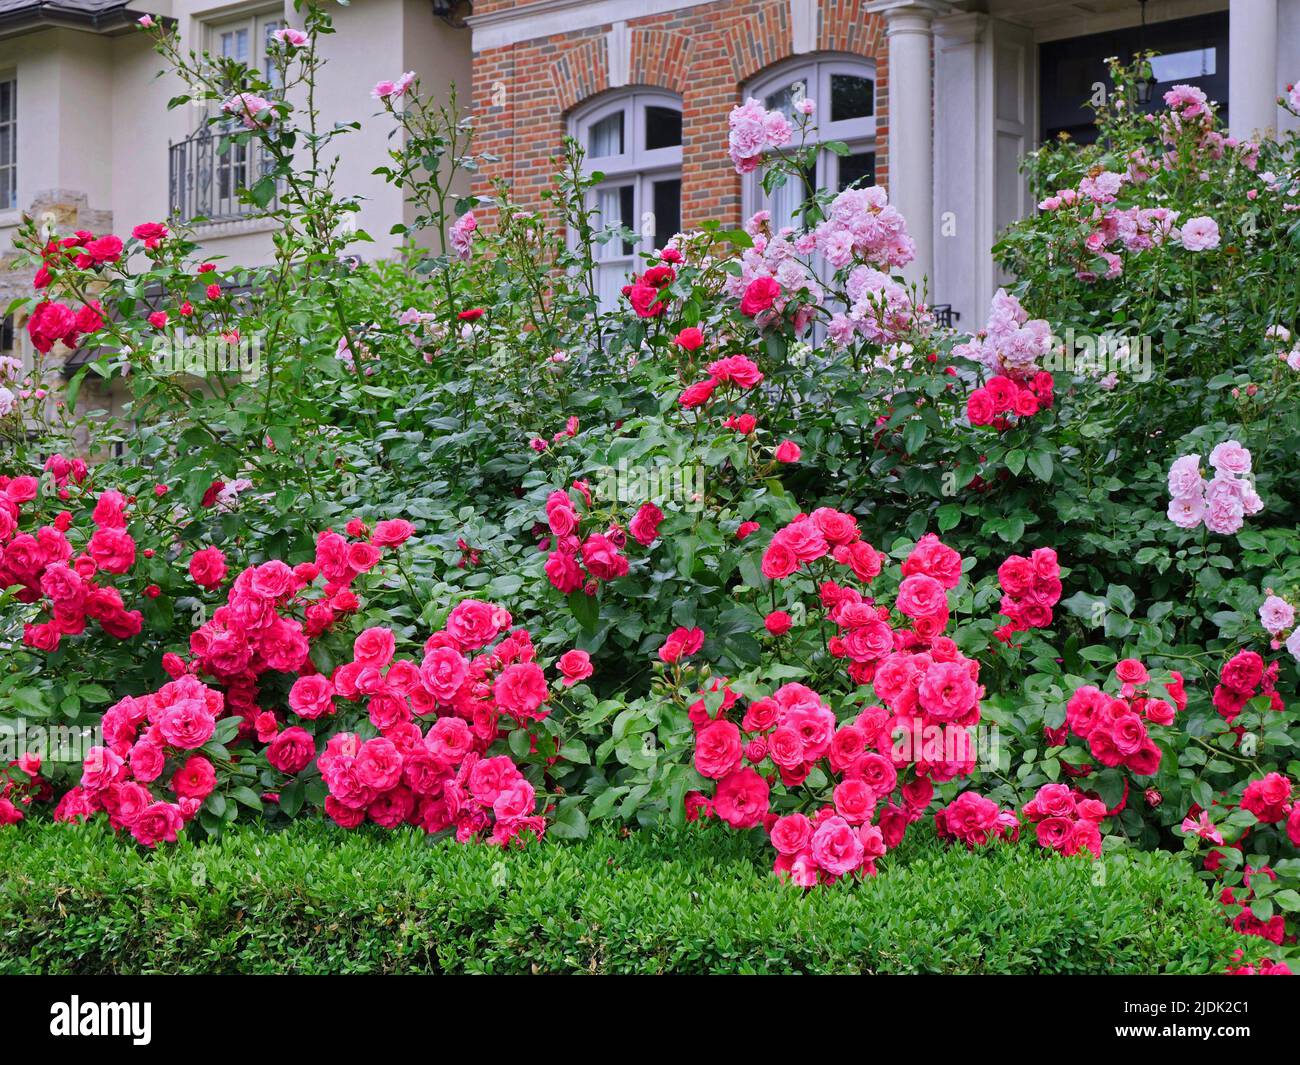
{"type": "Point", "coordinates": [268, 65]}
{"type": "Point", "coordinates": [234, 45]}
{"type": "Point", "coordinates": [784, 99]}
{"type": "Point", "coordinates": [663, 127]}
{"type": "Point", "coordinates": [668, 209]}
{"type": "Point", "coordinates": [615, 207]}
{"type": "Point", "coordinates": [605, 137]}
{"type": "Point", "coordinates": [786, 200]}
{"type": "Point", "coordinates": [857, 170]}
{"type": "Point", "coordinates": [1182, 66]}
{"type": "Point", "coordinates": [627, 211]}
{"type": "Point", "coordinates": [610, 279]}
{"type": "Point", "coordinates": [6, 101]}
{"type": "Point", "coordinates": [850, 97]}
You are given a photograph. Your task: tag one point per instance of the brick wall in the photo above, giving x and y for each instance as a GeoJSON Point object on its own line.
{"type": "Point", "coordinates": [524, 93]}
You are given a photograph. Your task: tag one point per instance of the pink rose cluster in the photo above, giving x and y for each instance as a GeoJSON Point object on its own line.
{"type": "Point", "coordinates": [269, 619]}
{"type": "Point", "coordinates": [975, 821]}
{"type": "Point", "coordinates": [810, 537]}
{"type": "Point", "coordinates": [462, 235]}
{"type": "Point", "coordinates": [436, 780]}
{"type": "Point", "coordinates": [1116, 727]}
{"type": "Point", "coordinates": [773, 278]}
{"type": "Point", "coordinates": [151, 775]}
{"type": "Point", "coordinates": [449, 680]}
{"type": "Point", "coordinates": [780, 740]}
{"type": "Point", "coordinates": [1246, 922]}
{"type": "Point", "coordinates": [1243, 677]}
{"type": "Point", "coordinates": [1002, 398]}
{"type": "Point", "coordinates": [21, 784]}
{"type": "Point", "coordinates": [1066, 820]}
{"type": "Point", "coordinates": [577, 561]}
{"type": "Point", "coordinates": [41, 564]}
{"type": "Point", "coordinates": [737, 373]}
{"type": "Point", "coordinates": [931, 689]}
{"type": "Point", "coordinates": [1134, 229]}
{"type": "Point", "coordinates": [1031, 587]}
{"type": "Point", "coordinates": [1220, 504]}
{"type": "Point", "coordinates": [647, 292]}
{"type": "Point", "coordinates": [442, 778]}
{"type": "Point", "coordinates": [1010, 344]}
{"type": "Point", "coordinates": [880, 309]}
{"type": "Point", "coordinates": [753, 130]}
{"type": "Point", "coordinates": [151, 744]}
{"type": "Point", "coordinates": [860, 227]}
{"type": "Point", "coordinates": [1278, 617]}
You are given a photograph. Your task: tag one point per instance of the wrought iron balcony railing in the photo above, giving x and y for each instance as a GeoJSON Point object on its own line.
{"type": "Point", "coordinates": [208, 170]}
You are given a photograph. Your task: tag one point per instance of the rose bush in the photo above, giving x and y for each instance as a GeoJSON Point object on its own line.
{"type": "Point", "coordinates": [792, 555]}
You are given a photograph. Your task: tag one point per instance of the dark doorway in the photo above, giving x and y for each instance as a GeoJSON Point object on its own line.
{"type": "Point", "coordinates": [1194, 51]}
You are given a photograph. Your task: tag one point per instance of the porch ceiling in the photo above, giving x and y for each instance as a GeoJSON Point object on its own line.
{"type": "Point", "coordinates": [1053, 19]}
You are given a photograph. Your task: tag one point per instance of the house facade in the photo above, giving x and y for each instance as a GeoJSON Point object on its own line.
{"type": "Point", "coordinates": [87, 140]}
{"type": "Point", "coordinates": [938, 101]}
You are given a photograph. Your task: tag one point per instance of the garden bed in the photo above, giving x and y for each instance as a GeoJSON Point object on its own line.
{"type": "Point", "coordinates": [316, 898]}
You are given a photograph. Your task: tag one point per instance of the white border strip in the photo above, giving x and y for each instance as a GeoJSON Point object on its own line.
{"type": "Point", "coordinates": [549, 17]}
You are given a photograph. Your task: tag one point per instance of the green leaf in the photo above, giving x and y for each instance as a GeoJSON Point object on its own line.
{"type": "Point", "coordinates": [263, 191]}
{"type": "Point", "coordinates": [1040, 464]}
{"type": "Point", "coordinates": [585, 609]}
{"type": "Point", "coordinates": [246, 797]}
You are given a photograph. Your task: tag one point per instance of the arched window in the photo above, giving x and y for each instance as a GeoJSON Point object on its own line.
{"type": "Point", "coordinates": [635, 140]}
{"type": "Point", "coordinates": [844, 91]}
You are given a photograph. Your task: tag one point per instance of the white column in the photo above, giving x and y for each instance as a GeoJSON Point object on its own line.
{"type": "Point", "coordinates": [1253, 87]}
{"type": "Point", "coordinates": [910, 32]}
{"type": "Point", "coordinates": [963, 165]}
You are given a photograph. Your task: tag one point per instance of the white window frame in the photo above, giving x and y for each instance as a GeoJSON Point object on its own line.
{"type": "Point", "coordinates": [231, 167]}
{"type": "Point", "coordinates": [636, 166]}
{"type": "Point", "coordinates": [259, 25]}
{"type": "Point", "coordinates": [815, 74]}
{"type": "Point", "coordinates": [9, 134]}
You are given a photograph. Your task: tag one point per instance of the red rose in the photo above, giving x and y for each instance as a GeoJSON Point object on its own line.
{"type": "Point", "coordinates": [980, 407]}
{"type": "Point", "coordinates": [644, 527]}
{"type": "Point", "coordinates": [759, 296]}
{"type": "Point", "coordinates": [778, 622]}
{"type": "Point", "coordinates": [717, 749]}
{"type": "Point", "coordinates": [112, 550]}
{"type": "Point", "coordinates": [521, 689]}
{"type": "Point", "coordinates": [697, 394]}
{"type": "Point", "coordinates": [195, 779]}
{"type": "Point", "coordinates": [791, 834]}
{"type": "Point", "coordinates": [682, 643]}
{"type": "Point", "coordinates": [374, 648]}
{"type": "Point", "coordinates": [741, 799]}
{"type": "Point", "coordinates": [690, 339]}
{"type": "Point", "coordinates": [575, 666]}
{"type": "Point", "coordinates": [1243, 673]}
{"type": "Point", "coordinates": [787, 451]}
{"type": "Point", "coordinates": [208, 567]}
{"type": "Point", "coordinates": [292, 751]}
{"type": "Point", "coordinates": [1131, 671]}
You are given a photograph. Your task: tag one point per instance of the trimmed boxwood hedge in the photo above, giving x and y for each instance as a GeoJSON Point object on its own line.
{"type": "Point", "coordinates": [315, 898]}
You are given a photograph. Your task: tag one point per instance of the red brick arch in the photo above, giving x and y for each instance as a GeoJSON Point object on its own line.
{"type": "Point", "coordinates": [705, 54]}
{"type": "Point", "coordinates": [660, 59]}
{"type": "Point", "coordinates": [579, 73]}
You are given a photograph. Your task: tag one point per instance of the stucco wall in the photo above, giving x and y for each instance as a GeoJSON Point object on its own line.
{"type": "Point", "coordinates": [94, 128]}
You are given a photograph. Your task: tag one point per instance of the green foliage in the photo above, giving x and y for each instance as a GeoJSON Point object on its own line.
{"type": "Point", "coordinates": [317, 899]}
